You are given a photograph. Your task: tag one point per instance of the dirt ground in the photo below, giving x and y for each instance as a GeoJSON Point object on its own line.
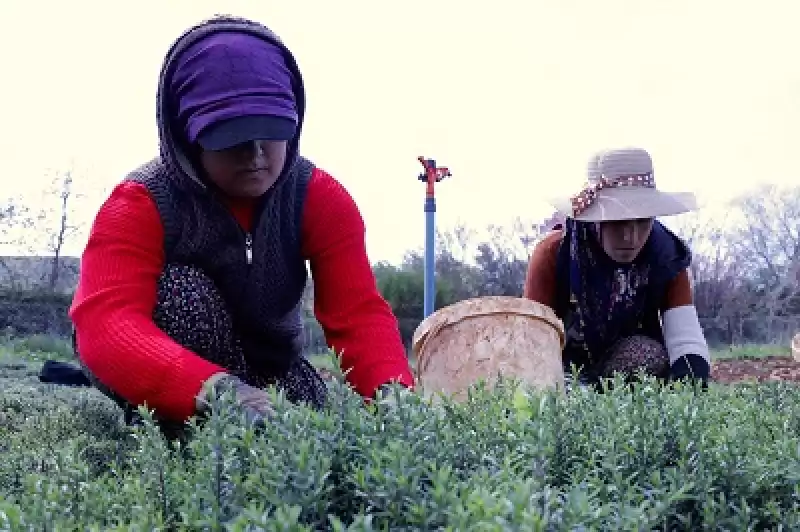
{"type": "Point", "coordinates": [759, 369]}
{"type": "Point", "coordinates": [769, 368]}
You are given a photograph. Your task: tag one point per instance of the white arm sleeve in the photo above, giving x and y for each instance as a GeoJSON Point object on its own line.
{"type": "Point", "coordinates": [683, 334]}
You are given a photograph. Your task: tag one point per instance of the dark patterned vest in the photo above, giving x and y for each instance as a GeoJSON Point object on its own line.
{"type": "Point", "coordinates": [667, 256]}
{"type": "Point", "coordinates": [261, 275]}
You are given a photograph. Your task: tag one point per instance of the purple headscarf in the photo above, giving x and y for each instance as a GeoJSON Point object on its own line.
{"type": "Point", "coordinates": [230, 75]}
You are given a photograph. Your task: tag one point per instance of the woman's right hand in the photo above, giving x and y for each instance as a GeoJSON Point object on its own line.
{"type": "Point", "coordinates": [254, 401]}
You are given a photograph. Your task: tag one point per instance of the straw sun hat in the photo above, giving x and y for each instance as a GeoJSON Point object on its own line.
{"type": "Point", "coordinates": [621, 186]}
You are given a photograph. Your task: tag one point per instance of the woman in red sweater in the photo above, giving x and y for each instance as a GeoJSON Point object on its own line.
{"type": "Point", "coordinates": [619, 279]}
{"type": "Point", "coordinates": [194, 270]}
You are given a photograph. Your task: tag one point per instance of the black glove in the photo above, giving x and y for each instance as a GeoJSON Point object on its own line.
{"type": "Point", "coordinates": [388, 395]}
{"type": "Point", "coordinates": [383, 392]}
{"type": "Point", "coordinates": [691, 367]}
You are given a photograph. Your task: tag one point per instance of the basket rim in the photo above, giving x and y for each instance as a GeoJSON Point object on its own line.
{"type": "Point", "coordinates": [455, 313]}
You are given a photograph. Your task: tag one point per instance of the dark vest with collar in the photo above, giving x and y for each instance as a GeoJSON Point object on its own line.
{"type": "Point", "coordinates": [667, 256]}
{"type": "Point", "coordinates": [260, 274]}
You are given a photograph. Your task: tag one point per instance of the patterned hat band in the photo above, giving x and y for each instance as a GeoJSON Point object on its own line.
{"type": "Point", "coordinates": [604, 199]}
{"type": "Point", "coordinates": [586, 197]}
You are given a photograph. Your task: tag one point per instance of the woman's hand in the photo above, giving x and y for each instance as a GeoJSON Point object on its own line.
{"type": "Point", "coordinates": [691, 367]}
{"type": "Point", "coordinates": [389, 395]}
{"type": "Point", "coordinates": [255, 402]}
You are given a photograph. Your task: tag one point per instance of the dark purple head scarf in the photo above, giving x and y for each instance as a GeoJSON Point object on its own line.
{"type": "Point", "coordinates": [230, 75]}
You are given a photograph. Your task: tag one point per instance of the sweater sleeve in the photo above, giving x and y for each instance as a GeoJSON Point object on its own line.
{"type": "Point", "coordinates": [540, 280]}
{"type": "Point", "coordinates": [679, 292]}
{"type": "Point", "coordinates": [358, 322]}
{"type": "Point", "coordinates": [113, 307]}
{"type": "Point", "coordinates": [683, 334]}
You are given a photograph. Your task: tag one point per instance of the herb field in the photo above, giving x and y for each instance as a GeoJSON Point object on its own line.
{"type": "Point", "coordinates": [647, 459]}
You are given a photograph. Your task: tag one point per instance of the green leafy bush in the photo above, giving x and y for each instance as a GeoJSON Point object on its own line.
{"type": "Point", "coordinates": [727, 459]}
{"type": "Point", "coordinates": [40, 347]}
{"type": "Point", "coordinates": [753, 351]}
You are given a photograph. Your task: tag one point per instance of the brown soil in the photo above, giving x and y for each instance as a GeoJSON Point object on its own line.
{"type": "Point", "coordinates": [771, 368]}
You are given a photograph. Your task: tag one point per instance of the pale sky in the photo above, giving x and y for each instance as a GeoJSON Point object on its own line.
{"type": "Point", "coordinates": [513, 96]}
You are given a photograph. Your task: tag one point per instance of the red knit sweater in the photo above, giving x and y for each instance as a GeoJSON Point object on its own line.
{"type": "Point", "coordinates": [113, 306]}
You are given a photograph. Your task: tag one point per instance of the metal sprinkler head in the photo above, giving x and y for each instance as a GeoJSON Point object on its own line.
{"type": "Point", "coordinates": [438, 173]}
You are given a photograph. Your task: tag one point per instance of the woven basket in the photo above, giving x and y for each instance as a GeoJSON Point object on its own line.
{"type": "Point", "coordinates": [482, 338]}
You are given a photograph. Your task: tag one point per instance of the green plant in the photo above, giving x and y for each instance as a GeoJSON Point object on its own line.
{"type": "Point", "coordinates": [641, 459]}
{"type": "Point", "coordinates": [41, 346]}
{"type": "Point", "coordinates": [751, 351]}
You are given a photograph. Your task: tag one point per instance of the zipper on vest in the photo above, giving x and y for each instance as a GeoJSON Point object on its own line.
{"type": "Point", "coordinates": [248, 248]}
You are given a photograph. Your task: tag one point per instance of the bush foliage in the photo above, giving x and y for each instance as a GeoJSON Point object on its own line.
{"type": "Point", "coordinates": [650, 458]}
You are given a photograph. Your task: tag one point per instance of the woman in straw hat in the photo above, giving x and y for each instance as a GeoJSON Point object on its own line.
{"type": "Point", "coordinates": [618, 278]}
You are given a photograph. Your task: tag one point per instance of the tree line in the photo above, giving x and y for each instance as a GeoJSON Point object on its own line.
{"type": "Point", "coordinates": [745, 269]}
{"type": "Point", "coordinates": [41, 230]}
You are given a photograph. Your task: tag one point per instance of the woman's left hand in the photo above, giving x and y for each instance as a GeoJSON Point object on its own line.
{"type": "Point", "coordinates": [388, 395]}
{"type": "Point", "coordinates": [693, 367]}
